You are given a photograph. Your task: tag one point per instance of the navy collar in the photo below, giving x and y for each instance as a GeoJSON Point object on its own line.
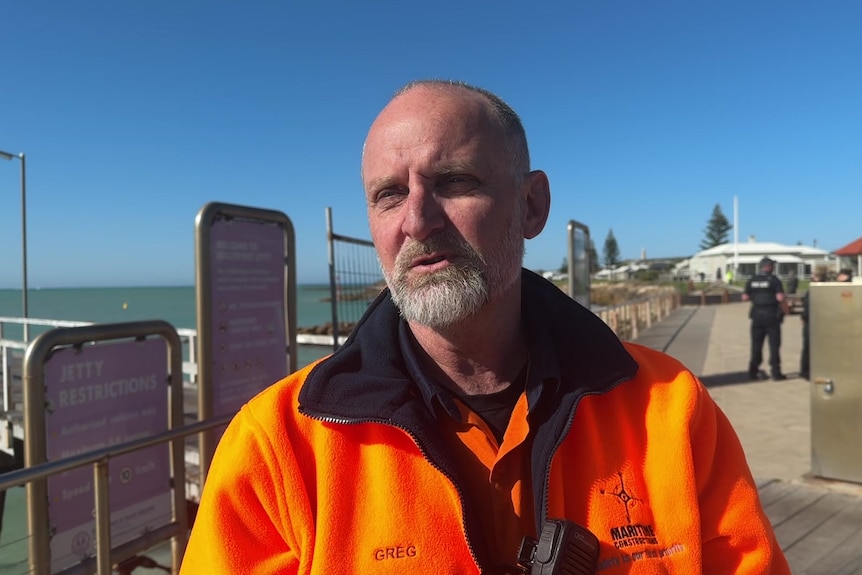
{"type": "Point", "coordinates": [543, 373]}
{"type": "Point", "coordinates": [372, 375]}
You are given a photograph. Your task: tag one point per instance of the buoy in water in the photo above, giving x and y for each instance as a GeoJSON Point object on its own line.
{"type": "Point", "coordinates": [125, 305]}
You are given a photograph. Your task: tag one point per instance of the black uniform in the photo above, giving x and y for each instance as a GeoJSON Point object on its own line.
{"type": "Point", "coordinates": [766, 316]}
{"type": "Point", "coordinates": [805, 358]}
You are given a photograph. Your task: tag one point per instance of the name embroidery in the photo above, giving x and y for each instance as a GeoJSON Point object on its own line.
{"type": "Point", "coordinates": [397, 552]}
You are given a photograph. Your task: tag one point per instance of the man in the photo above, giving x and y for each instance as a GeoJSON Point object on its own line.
{"type": "Point", "coordinates": [792, 282]}
{"type": "Point", "coordinates": [766, 294]}
{"type": "Point", "coordinates": [474, 400]}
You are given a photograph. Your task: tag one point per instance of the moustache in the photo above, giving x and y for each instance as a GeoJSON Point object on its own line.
{"type": "Point", "coordinates": [448, 243]}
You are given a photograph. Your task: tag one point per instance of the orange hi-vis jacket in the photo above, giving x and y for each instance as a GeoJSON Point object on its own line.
{"type": "Point", "coordinates": [340, 467]}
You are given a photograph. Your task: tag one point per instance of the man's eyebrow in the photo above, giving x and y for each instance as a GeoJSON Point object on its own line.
{"type": "Point", "coordinates": [442, 171]}
{"type": "Point", "coordinates": [380, 183]}
{"type": "Point", "coordinates": [457, 168]}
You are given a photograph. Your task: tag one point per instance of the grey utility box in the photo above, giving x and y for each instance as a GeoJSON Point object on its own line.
{"type": "Point", "coordinates": [835, 333]}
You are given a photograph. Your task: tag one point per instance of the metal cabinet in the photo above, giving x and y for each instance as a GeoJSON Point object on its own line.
{"type": "Point", "coordinates": [835, 332]}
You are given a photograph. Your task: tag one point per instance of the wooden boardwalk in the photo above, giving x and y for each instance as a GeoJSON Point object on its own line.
{"type": "Point", "coordinates": [819, 527]}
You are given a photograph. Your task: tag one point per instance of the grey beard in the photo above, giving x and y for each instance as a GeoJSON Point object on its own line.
{"type": "Point", "coordinates": [452, 295]}
{"type": "Point", "coordinates": [444, 299]}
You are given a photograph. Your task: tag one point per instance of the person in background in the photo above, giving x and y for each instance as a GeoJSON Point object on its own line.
{"type": "Point", "coordinates": [805, 357]}
{"type": "Point", "coordinates": [766, 294]}
{"type": "Point", "coordinates": [474, 402]}
{"type": "Point", "coordinates": [792, 282]}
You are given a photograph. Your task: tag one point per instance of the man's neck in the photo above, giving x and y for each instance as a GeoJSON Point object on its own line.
{"type": "Point", "coordinates": [480, 355]}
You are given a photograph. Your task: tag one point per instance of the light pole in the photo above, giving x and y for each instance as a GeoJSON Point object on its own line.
{"type": "Point", "coordinates": [8, 156]}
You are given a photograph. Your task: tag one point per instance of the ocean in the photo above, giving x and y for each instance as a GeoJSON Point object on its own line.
{"type": "Point", "coordinates": [176, 305]}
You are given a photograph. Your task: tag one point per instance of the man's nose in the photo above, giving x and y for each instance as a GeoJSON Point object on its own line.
{"type": "Point", "coordinates": [424, 214]}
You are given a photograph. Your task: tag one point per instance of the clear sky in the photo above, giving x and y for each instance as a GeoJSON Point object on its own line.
{"type": "Point", "coordinates": [644, 114]}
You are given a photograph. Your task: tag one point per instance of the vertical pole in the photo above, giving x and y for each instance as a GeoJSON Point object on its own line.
{"type": "Point", "coordinates": [571, 257]}
{"type": "Point", "coordinates": [177, 448]}
{"type": "Point", "coordinates": [333, 289]}
{"type": "Point", "coordinates": [735, 238]}
{"type": "Point", "coordinates": [36, 452]}
{"type": "Point", "coordinates": [24, 245]}
{"type": "Point", "coordinates": [103, 516]}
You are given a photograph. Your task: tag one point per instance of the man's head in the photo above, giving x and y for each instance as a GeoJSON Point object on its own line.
{"type": "Point", "coordinates": [767, 266]}
{"type": "Point", "coordinates": [450, 199]}
{"type": "Point", "coordinates": [819, 274]}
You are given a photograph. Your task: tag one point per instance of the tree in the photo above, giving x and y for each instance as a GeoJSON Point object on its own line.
{"type": "Point", "coordinates": [611, 250]}
{"type": "Point", "coordinates": [593, 257]}
{"type": "Point", "coordinates": [716, 229]}
{"type": "Point", "coordinates": [564, 267]}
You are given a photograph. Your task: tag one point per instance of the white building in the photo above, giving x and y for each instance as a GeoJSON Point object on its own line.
{"type": "Point", "coordinates": [621, 272]}
{"type": "Point", "coordinates": [744, 258]}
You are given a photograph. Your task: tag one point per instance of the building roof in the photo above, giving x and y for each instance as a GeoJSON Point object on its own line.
{"type": "Point", "coordinates": [771, 249]}
{"type": "Point", "coordinates": [779, 259]}
{"type": "Point", "coordinates": [854, 248]}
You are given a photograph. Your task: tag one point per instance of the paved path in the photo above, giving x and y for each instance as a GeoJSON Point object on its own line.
{"type": "Point", "coordinates": [818, 522]}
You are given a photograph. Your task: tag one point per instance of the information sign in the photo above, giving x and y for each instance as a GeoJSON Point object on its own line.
{"type": "Point", "coordinates": [249, 337]}
{"type": "Point", "coordinates": [97, 396]}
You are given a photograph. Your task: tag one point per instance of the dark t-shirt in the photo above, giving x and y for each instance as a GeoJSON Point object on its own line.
{"type": "Point", "coordinates": [496, 408]}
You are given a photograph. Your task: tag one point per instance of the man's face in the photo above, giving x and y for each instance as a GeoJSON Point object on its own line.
{"type": "Point", "coordinates": [445, 207]}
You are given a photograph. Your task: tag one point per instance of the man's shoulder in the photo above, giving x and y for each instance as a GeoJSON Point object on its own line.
{"type": "Point", "coordinates": [657, 365]}
{"type": "Point", "coordinates": [285, 390]}
{"type": "Point", "coordinates": [661, 380]}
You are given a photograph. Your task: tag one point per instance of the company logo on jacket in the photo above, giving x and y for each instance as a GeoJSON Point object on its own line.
{"type": "Point", "coordinates": [632, 526]}
{"type": "Point", "coordinates": [631, 533]}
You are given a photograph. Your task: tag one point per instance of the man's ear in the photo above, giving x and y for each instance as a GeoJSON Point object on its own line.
{"type": "Point", "coordinates": [537, 203]}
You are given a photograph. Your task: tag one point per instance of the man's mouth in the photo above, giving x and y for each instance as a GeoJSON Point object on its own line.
{"type": "Point", "coordinates": [429, 261]}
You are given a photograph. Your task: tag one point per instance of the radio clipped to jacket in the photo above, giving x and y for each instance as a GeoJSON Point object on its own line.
{"type": "Point", "coordinates": [563, 548]}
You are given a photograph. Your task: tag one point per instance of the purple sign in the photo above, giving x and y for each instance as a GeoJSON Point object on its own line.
{"type": "Point", "coordinates": [248, 311]}
{"type": "Point", "coordinates": [97, 396]}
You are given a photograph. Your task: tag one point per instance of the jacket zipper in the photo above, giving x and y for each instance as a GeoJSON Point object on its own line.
{"type": "Point", "coordinates": [547, 476]}
{"type": "Point", "coordinates": [343, 421]}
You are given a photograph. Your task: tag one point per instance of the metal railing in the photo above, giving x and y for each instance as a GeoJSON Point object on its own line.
{"type": "Point", "coordinates": [106, 557]}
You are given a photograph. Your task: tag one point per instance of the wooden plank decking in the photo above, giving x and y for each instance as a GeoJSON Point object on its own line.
{"type": "Point", "coordinates": [819, 528]}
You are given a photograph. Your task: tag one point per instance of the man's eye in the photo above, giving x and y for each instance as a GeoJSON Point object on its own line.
{"type": "Point", "coordinates": [389, 195]}
{"type": "Point", "coordinates": [458, 183]}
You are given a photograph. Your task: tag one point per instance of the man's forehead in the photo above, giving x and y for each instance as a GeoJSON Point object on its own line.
{"type": "Point", "coordinates": [423, 116]}
{"type": "Point", "coordinates": [425, 94]}
{"type": "Point", "coordinates": [435, 102]}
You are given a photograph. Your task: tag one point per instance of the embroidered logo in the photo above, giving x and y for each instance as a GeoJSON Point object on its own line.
{"type": "Point", "coordinates": [636, 539]}
{"type": "Point", "coordinates": [630, 534]}
{"type": "Point", "coordinates": [625, 498]}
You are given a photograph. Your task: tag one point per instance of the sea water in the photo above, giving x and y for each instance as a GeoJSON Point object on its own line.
{"type": "Point", "coordinates": [176, 305]}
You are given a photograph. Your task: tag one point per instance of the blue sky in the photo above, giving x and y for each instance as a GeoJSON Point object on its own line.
{"type": "Point", "coordinates": [644, 114]}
